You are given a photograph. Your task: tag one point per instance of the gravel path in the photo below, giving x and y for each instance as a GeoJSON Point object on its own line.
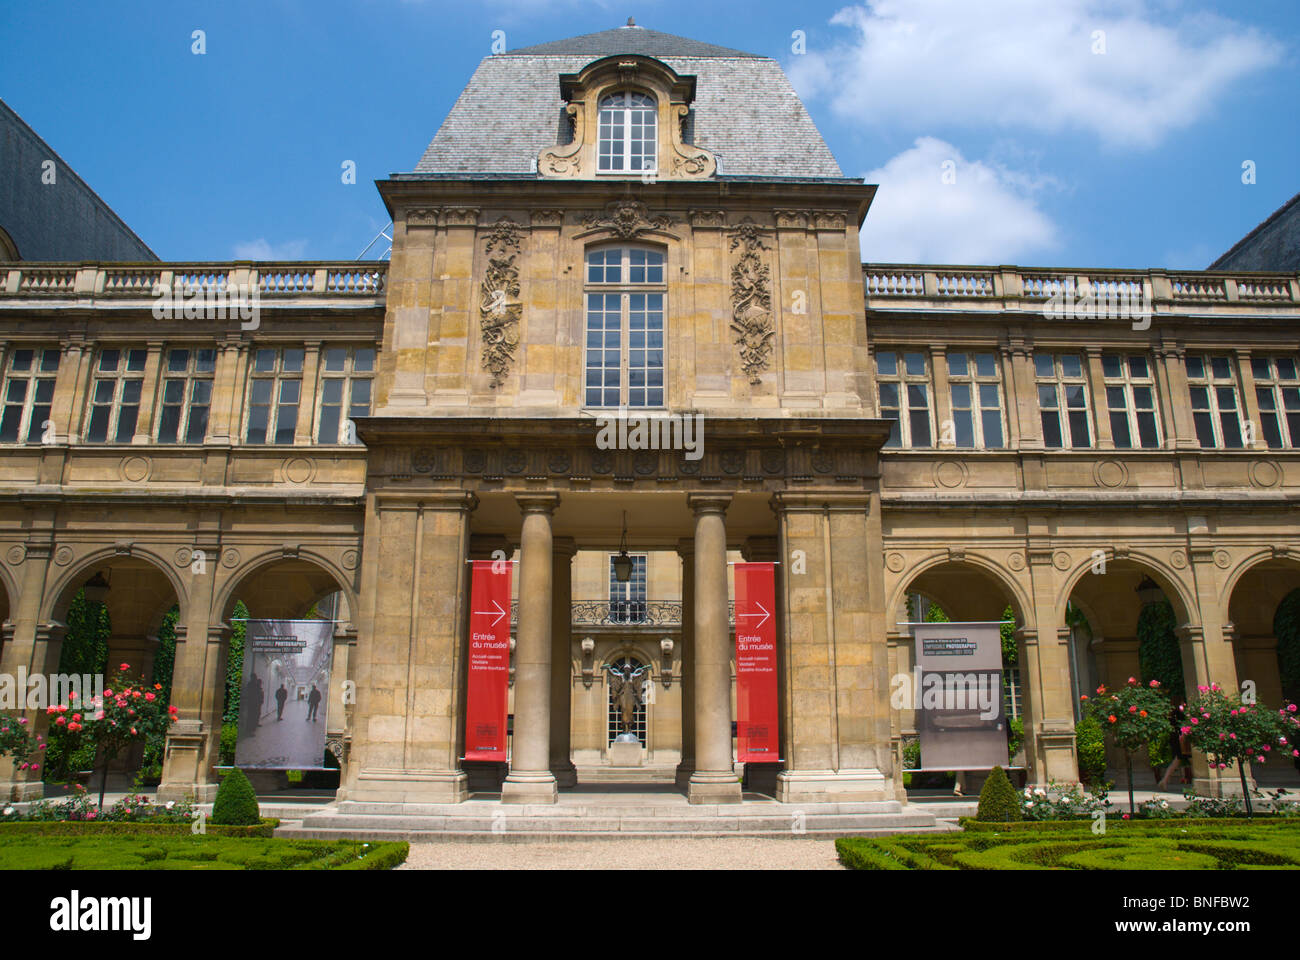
{"type": "Point", "coordinates": [721, 853]}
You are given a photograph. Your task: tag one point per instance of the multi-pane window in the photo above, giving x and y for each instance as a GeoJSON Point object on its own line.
{"type": "Point", "coordinates": [627, 141]}
{"type": "Point", "coordinates": [625, 328]}
{"type": "Point", "coordinates": [615, 715]}
{"type": "Point", "coordinates": [28, 393]}
{"type": "Point", "coordinates": [275, 388]}
{"type": "Point", "coordinates": [1062, 400]}
{"type": "Point", "coordinates": [186, 395]}
{"type": "Point", "coordinates": [115, 395]}
{"type": "Point", "coordinates": [627, 601]}
{"type": "Point", "coordinates": [976, 400]}
{"type": "Point", "coordinates": [1130, 400]}
{"type": "Point", "coordinates": [1277, 387]}
{"type": "Point", "coordinates": [346, 378]}
{"type": "Point", "coordinates": [903, 380]}
{"type": "Point", "coordinates": [1212, 389]}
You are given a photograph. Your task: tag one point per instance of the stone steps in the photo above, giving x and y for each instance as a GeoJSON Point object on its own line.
{"type": "Point", "coordinates": [495, 821]}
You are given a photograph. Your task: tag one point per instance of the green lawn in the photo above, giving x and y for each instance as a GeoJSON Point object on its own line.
{"type": "Point", "coordinates": [1071, 845]}
{"type": "Point", "coordinates": [27, 851]}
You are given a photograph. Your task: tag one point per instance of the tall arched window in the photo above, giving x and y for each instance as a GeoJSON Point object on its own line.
{"type": "Point", "coordinates": [628, 138]}
{"type": "Point", "coordinates": [625, 328]}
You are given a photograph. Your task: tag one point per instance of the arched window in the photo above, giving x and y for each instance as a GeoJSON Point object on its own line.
{"type": "Point", "coordinates": [628, 138]}
{"type": "Point", "coordinates": [625, 328]}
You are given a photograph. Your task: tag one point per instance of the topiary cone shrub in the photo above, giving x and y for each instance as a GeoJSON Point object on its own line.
{"type": "Point", "coordinates": [999, 802]}
{"type": "Point", "coordinates": [236, 803]}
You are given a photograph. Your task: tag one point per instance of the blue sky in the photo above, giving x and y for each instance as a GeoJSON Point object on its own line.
{"type": "Point", "coordinates": [1069, 132]}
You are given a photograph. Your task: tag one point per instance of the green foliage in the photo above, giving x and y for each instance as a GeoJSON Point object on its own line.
{"type": "Point", "coordinates": [1158, 844]}
{"type": "Point", "coordinates": [236, 802]}
{"type": "Point", "coordinates": [912, 755]}
{"type": "Point", "coordinates": [77, 828]}
{"type": "Point", "coordinates": [19, 743]}
{"type": "Point", "coordinates": [1160, 656]}
{"type": "Point", "coordinates": [999, 801]}
{"type": "Point", "coordinates": [1286, 627]}
{"type": "Point", "coordinates": [235, 662]}
{"type": "Point", "coordinates": [1133, 715]}
{"type": "Point", "coordinates": [164, 663]}
{"type": "Point", "coordinates": [1228, 731]}
{"type": "Point", "coordinates": [1016, 729]}
{"type": "Point", "coordinates": [1010, 649]}
{"type": "Point", "coordinates": [229, 737]}
{"type": "Point", "coordinates": [1063, 801]}
{"type": "Point", "coordinates": [84, 650]}
{"type": "Point", "coordinates": [105, 850]}
{"type": "Point", "coordinates": [934, 614]}
{"type": "Point", "coordinates": [1090, 745]}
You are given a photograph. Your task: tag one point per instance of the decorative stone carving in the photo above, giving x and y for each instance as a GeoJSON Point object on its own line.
{"type": "Point", "coordinates": [63, 556]}
{"type": "Point", "coordinates": [707, 219]}
{"type": "Point", "coordinates": [828, 220]}
{"type": "Point", "coordinates": [1178, 559]}
{"type": "Point", "coordinates": [627, 219]}
{"type": "Point", "coordinates": [422, 217]}
{"type": "Point", "coordinates": [547, 218]}
{"type": "Point", "coordinates": [791, 219]}
{"type": "Point", "coordinates": [230, 558]}
{"type": "Point", "coordinates": [135, 469]}
{"type": "Point", "coordinates": [689, 161]}
{"type": "Point", "coordinates": [460, 216]}
{"type": "Point", "coordinates": [895, 561]}
{"type": "Point", "coordinates": [351, 559]}
{"type": "Point", "coordinates": [1016, 561]}
{"type": "Point", "coordinates": [16, 554]}
{"type": "Point", "coordinates": [500, 309]}
{"type": "Point", "coordinates": [751, 301]}
{"type": "Point", "coordinates": [566, 160]}
{"type": "Point", "coordinates": [423, 460]}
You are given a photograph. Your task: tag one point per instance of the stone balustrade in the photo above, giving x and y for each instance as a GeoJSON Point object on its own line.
{"type": "Point", "coordinates": [360, 283]}
{"type": "Point", "coordinates": [946, 287]}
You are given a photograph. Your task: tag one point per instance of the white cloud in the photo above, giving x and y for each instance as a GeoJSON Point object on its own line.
{"type": "Point", "coordinates": [935, 206]}
{"type": "Point", "coordinates": [1030, 64]}
{"type": "Point", "coordinates": [260, 249]}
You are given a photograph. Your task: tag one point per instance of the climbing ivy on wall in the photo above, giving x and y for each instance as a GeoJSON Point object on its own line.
{"type": "Point", "coordinates": [1286, 627]}
{"type": "Point", "coordinates": [1159, 655]}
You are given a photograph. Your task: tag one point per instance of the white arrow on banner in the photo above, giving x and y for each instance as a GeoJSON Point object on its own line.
{"type": "Point", "coordinates": [764, 615]}
{"type": "Point", "coordinates": [487, 613]}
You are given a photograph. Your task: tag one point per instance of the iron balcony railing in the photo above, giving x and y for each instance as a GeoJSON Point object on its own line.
{"type": "Point", "coordinates": [636, 613]}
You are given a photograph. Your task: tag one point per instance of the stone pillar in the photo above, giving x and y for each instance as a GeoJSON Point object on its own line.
{"type": "Point", "coordinates": [198, 687]}
{"type": "Point", "coordinates": [33, 647]}
{"type": "Point", "coordinates": [411, 649]}
{"type": "Point", "coordinates": [562, 551]}
{"type": "Point", "coordinates": [714, 779]}
{"type": "Point", "coordinates": [530, 779]}
{"type": "Point", "coordinates": [1044, 655]}
{"type": "Point", "coordinates": [686, 657]}
{"type": "Point", "coordinates": [835, 735]}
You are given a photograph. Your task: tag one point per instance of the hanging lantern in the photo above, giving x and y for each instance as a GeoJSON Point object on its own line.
{"type": "Point", "coordinates": [1149, 592]}
{"type": "Point", "coordinates": [96, 588]}
{"type": "Point", "coordinates": [623, 563]}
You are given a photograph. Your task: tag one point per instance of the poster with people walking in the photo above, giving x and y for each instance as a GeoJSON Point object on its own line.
{"type": "Point", "coordinates": [282, 697]}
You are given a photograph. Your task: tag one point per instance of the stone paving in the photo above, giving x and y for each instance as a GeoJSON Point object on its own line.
{"type": "Point", "coordinates": [729, 853]}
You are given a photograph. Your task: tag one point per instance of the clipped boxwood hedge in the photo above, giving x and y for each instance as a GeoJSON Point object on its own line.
{"type": "Point", "coordinates": [74, 828]}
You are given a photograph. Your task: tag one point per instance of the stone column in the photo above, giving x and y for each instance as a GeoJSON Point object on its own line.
{"type": "Point", "coordinates": [835, 734]}
{"type": "Point", "coordinates": [714, 779]}
{"type": "Point", "coordinates": [1048, 698]}
{"type": "Point", "coordinates": [686, 673]}
{"type": "Point", "coordinates": [149, 388]}
{"type": "Point", "coordinates": [411, 648]}
{"type": "Point", "coordinates": [28, 646]}
{"type": "Point", "coordinates": [562, 551]}
{"type": "Point", "coordinates": [198, 687]}
{"type": "Point", "coordinates": [530, 779]}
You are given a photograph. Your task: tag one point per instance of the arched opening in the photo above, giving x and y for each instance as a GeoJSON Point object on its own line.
{"type": "Point", "coordinates": [628, 136]}
{"type": "Point", "coordinates": [112, 609]}
{"type": "Point", "coordinates": [269, 685]}
{"type": "Point", "coordinates": [1264, 615]}
{"type": "Point", "coordinates": [1124, 616]}
{"type": "Point", "coordinates": [962, 591]}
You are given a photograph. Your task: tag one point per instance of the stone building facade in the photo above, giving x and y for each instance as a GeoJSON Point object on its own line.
{"type": "Point", "coordinates": [636, 222]}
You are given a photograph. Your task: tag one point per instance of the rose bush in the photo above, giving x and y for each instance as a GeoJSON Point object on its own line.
{"type": "Point", "coordinates": [1132, 717]}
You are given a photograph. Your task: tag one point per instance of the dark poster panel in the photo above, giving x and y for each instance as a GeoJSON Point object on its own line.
{"type": "Point", "coordinates": [285, 694]}
{"type": "Point", "coordinates": [959, 709]}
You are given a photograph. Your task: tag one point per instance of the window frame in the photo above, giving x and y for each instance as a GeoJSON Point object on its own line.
{"type": "Point", "coordinates": [350, 376]}
{"type": "Point", "coordinates": [192, 377]}
{"type": "Point", "coordinates": [627, 122]}
{"type": "Point", "coordinates": [1128, 383]}
{"type": "Point", "coordinates": [37, 375]}
{"type": "Point", "coordinates": [118, 403]}
{"type": "Point", "coordinates": [278, 375]}
{"type": "Point", "coordinates": [1060, 383]}
{"type": "Point", "coordinates": [905, 424]}
{"type": "Point", "coordinates": [633, 596]}
{"type": "Point", "coordinates": [1212, 383]}
{"type": "Point", "coordinates": [975, 380]}
{"type": "Point", "coordinates": [1275, 386]}
{"type": "Point", "coordinates": [625, 288]}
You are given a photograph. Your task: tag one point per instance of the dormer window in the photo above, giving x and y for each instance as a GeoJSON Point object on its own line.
{"type": "Point", "coordinates": [628, 133]}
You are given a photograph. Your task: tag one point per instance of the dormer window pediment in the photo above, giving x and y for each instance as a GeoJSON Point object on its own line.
{"type": "Point", "coordinates": [628, 114]}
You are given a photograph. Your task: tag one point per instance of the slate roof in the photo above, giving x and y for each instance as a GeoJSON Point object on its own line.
{"type": "Point", "coordinates": [1273, 245]}
{"type": "Point", "coordinates": [745, 110]}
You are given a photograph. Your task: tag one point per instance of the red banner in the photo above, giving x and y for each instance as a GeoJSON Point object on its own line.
{"type": "Point", "coordinates": [487, 700]}
{"type": "Point", "coordinates": [756, 697]}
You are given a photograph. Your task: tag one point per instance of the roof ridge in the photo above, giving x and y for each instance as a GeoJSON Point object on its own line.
{"type": "Point", "coordinates": [629, 38]}
{"type": "Point", "coordinates": [1258, 227]}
